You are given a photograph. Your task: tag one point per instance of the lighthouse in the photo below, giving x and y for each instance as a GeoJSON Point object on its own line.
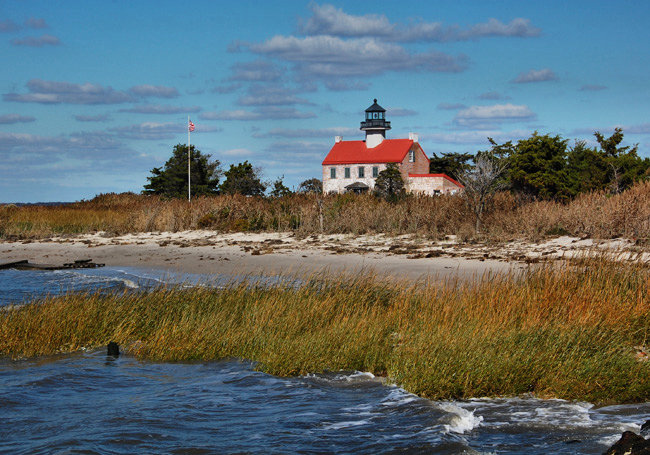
{"type": "Point", "coordinates": [354, 166]}
{"type": "Point", "coordinates": [375, 125]}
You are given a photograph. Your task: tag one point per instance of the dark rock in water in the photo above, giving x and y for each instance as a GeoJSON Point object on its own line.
{"type": "Point", "coordinates": [630, 444]}
{"type": "Point", "coordinates": [113, 349]}
{"type": "Point", "coordinates": [645, 429]}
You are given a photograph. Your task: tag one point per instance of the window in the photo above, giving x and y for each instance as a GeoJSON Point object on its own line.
{"type": "Point", "coordinates": [411, 156]}
{"type": "Point", "coordinates": [368, 115]}
{"type": "Point", "coordinates": [374, 115]}
{"type": "Point", "coordinates": [381, 115]}
{"type": "Point", "coordinates": [347, 172]}
{"type": "Point", "coordinates": [362, 172]}
{"type": "Point", "coordinates": [375, 171]}
{"type": "Point", "coordinates": [332, 172]}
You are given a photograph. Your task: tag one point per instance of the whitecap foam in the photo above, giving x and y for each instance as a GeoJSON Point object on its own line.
{"type": "Point", "coordinates": [354, 376]}
{"type": "Point", "coordinates": [460, 420]}
{"type": "Point", "coordinates": [347, 424]}
{"type": "Point", "coordinates": [398, 397]}
{"type": "Point", "coordinates": [130, 284]}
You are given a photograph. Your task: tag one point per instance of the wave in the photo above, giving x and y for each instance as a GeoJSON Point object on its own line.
{"type": "Point", "coordinates": [459, 420]}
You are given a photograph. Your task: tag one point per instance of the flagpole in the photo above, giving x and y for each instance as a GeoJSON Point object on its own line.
{"type": "Point", "coordinates": [189, 152]}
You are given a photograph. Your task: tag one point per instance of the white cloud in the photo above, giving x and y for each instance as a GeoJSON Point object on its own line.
{"type": "Point", "coordinates": [326, 56]}
{"type": "Point", "coordinates": [536, 76]}
{"type": "Point", "coordinates": [161, 109]}
{"type": "Point", "coordinates": [328, 20]}
{"type": "Point", "coordinates": [9, 119]}
{"type": "Point", "coordinates": [451, 106]}
{"type": "Point", "coordinates": [642, 128]}
{"type": "Point", "coordinates": [518, 27]}
{"type": "Point", "coordinates": [53, 92]}
{"type": "Point", "coordinates": [483, 116]}
{"type": "Point", "coordinates": [592, 88]}
{"type": "Point", "coordinates": [36, 41]}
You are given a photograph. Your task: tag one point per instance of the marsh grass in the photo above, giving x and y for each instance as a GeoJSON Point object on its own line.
{"type": "Point", "coordinates": [597, 215]}
{"type": "Point", "coordinates": [564, 332]}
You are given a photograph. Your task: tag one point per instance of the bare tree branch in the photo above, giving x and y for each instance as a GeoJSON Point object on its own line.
{"type": "Point", "coordinates": [481, 183]}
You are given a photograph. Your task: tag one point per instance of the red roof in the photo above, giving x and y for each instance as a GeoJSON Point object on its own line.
{"type": "Point", "coordinates": [353, 152]}
{"type": "Point", "coordinates": [444, 176]}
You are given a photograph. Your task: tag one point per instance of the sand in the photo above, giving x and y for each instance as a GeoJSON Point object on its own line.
{"type": "Point", "coordinates": [210, 252]}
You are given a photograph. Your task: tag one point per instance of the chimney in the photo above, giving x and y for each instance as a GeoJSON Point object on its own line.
{"type": "Point", "coordinates": [413, 137]}
{"type": "Point", "coordinates": [338, 139]}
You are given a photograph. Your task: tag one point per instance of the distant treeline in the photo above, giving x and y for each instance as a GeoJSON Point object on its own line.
{"type": "Point", "coordinates": [547, 167]}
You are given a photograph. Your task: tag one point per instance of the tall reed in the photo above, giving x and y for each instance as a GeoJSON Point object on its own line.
{"type": "Point", "coordinates": [566, 332]}
{"type": "Point", "coordinates": [596, 215]}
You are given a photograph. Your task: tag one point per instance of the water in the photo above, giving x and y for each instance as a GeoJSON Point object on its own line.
{"type": "Point", "coordinates": [90, 403]}
{"type": "Point", "coordinates": [17, 286]}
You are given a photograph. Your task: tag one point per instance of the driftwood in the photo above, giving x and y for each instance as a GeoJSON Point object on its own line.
{"type": "Point", "coordinates": [24, 264]}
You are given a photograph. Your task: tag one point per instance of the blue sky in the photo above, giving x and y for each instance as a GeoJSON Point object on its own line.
{"type": "Point", "coordinates": [94, 94]}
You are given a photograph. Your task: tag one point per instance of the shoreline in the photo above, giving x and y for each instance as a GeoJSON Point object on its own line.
{"type": "Point", "coordinates": [231, 254]}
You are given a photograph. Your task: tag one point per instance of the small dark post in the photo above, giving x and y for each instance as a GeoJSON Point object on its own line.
{"type": "Point", "coordinates": [113, 349]}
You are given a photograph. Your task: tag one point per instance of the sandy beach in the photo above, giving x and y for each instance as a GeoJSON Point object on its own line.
{"type": "Point", "coordinates": [210, 252]}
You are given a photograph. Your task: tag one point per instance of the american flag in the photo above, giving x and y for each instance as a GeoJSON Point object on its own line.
{"type": "Point", "coordinates": [190, 126]}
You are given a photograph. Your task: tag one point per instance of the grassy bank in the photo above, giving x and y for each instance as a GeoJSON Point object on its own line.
{"type": "Point", "coordinates": [597, 215]}
{"type": "Point", "coordinates": [561, 332]}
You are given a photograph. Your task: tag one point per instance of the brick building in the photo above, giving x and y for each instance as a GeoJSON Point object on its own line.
{"type": "Point", "coordinates": [354, 165]}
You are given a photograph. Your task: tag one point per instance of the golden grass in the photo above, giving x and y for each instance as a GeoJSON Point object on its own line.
{"type": "Point", "coordinates": [564, 332]}
{"type": "Point", "coordinates": [597, 215]}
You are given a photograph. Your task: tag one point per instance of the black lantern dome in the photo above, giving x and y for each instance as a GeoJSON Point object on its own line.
{"type": "Point", "coordinates": [375, 121]}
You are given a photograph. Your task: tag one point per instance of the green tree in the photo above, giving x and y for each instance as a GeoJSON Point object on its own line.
{"type": "Point", "coordinates": [452, 164]}
{"type": "Point", "coordinates": [587, 169]}
{"type": "Point", "coordinates": [311, 186]}
{"type": "Point", "coordinates": [171, 179]}
{"type": "Point", "coordinates": [243, 179]}
{"type": "Point", "coordinates": [625, 165]}
{"type": "Point", "coordinates": [537, 167]}
{"type": "Point", "coordinates": [389, 183]}
{"type": "Point", "coordinates": [279, 189]}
